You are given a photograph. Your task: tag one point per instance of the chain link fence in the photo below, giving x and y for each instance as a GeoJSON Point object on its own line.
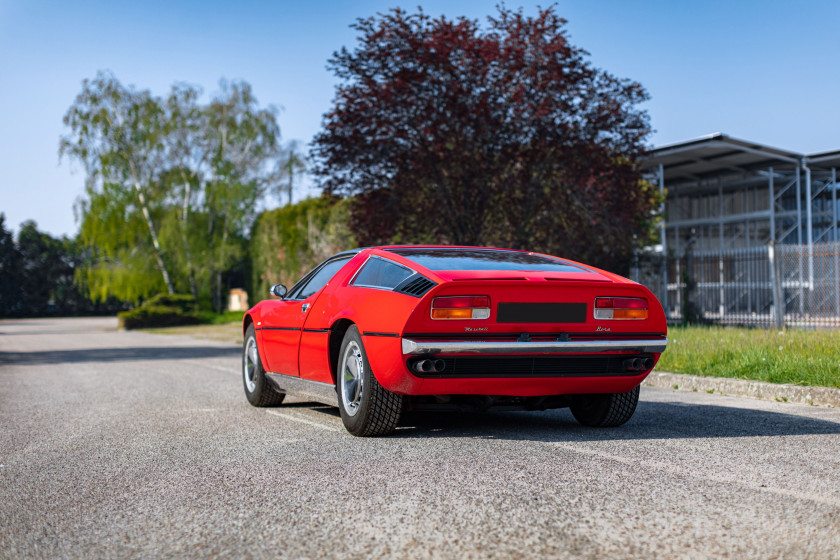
{"type": "Point", "coordinates": [774, 285]}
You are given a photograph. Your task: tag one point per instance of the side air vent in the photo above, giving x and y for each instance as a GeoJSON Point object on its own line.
{"type": "Point", "coordinates": [415, 285]}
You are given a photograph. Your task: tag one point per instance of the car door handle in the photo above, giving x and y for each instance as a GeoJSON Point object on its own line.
{"type": "Point", "coordinates": [304, 307]}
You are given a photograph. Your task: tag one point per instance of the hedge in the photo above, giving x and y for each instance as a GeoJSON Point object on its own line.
{"type": "Point", "coordinates": [164, 310]}
{"type": "Point", "coordinates": [287, 242]}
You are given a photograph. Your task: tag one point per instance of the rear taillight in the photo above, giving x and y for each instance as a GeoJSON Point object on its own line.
{"type": "Point", "coordinates": [621, 308]}
{"type": "Point", "coordinates": [461, 307]}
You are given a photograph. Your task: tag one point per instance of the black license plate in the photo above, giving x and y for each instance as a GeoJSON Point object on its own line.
{"type": "Point", "coordinates": [541, 313]}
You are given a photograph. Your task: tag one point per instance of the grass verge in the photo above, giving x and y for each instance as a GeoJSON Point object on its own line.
{"type": "Point", "coordinates": [793, 356]}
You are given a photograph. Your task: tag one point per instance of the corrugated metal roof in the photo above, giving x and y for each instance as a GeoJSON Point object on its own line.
{"type": "Point", "coordinates": [715, 155]}
{"type": "Point", "coordinates": [825, 160]}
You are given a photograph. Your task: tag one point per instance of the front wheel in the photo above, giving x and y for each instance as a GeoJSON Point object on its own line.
{"type": "Point", "coordinates": [367, 409]}
{"type": "Point", "coordinates": [258, 389]}
{"type": "Point", "coordinates": [607, 410]}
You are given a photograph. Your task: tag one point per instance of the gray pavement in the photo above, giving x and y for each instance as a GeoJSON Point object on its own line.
{"type": "Point", "coordinates": [133, 445]}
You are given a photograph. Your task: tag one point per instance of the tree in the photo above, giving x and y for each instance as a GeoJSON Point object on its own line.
{"type": "Point", "coordinates": [116, 133]}
{"type": "Point", "coordinates": [173, 184]}
{"type": "Point", "coordinates": [11, 277]}
{"type": "Point", "coordinates": [293, 167]}
{"type": "Point", "coordinates": [223, 158]}
{"type": "Point", "coordinates": [37, 275]}
{"type": "Point", "coordinates": [446, 132]}
{"type": "Point", "coordinates": [242, 141]}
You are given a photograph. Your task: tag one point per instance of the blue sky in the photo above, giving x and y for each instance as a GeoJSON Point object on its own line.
{"type": "Point", "coordinates": [762, 71]}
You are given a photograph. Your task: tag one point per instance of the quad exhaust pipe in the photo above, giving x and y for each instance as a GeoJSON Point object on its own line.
{"type": "Point", "coordinates": [637, 364]}
{"type": "Point", "coordinates": [429, 366]}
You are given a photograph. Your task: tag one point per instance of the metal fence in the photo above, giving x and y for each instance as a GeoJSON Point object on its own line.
{"type": "Point", "coordinates": [760, 286]}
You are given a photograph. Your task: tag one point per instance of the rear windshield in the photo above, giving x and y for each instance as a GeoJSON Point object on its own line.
{"type": "Point", "coordinates": [476, 259]}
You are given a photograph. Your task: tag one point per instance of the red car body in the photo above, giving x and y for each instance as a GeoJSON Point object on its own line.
{"type": "Point", "coordinates": [537, 335]}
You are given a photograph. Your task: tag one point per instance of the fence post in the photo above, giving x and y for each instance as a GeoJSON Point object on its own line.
{"type": "Point", "coordinates": [635, 270]}
{"type": "Point", "coordinates": [775, 280]}
{"type": "Point", "coordinates": [663, 233]}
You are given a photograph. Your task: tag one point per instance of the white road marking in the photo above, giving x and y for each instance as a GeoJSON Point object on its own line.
{"type": "Point", "coordinates": [709, 477]}
{"type": "Point", "coordinates": [295, 418]}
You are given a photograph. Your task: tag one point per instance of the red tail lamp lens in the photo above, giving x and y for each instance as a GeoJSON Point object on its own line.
{"type": "Point", "coordinates": [461, 307]}
{"type": "Point", "coordinates": [460, 302]}
{"type": "Point", "coordinates": [620, 303]}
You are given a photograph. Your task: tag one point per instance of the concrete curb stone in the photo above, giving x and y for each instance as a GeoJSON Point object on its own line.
{"type": "Point", "coordinates": [815, 396]}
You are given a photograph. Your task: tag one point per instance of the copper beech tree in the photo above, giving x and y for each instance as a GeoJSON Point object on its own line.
{"type": "Point", "coordinates": [449, 132]}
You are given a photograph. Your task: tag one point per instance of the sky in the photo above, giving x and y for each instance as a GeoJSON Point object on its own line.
{"type": "Point", "coordinates": [764, 71]}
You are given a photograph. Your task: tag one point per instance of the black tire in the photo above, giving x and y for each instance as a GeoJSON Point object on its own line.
{"type": "Point", "coordinates": [607, 410]}
{"type": "Point", "coordinates": [367, 409]}
{"type": "Point", "coordinates": [258, 389]}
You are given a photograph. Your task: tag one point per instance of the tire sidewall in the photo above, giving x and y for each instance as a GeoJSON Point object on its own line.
{"type": "Point", "coordinates": [354, 423]}
{"type": "Point", "coordinates": [607, 410]}
{"type": "Point", "coordinates": [591, 410]}
{"type": "Point", "coordinates": [259, 372]}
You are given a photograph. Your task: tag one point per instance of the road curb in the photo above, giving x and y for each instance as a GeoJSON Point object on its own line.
{"type": "Point", "coordinates": [815, 396]}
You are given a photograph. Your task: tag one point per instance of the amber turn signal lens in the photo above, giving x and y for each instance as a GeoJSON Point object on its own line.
{"type": "Point", "coordinates": [629, 313]}
{"type": "Point", "coordinates": [452, 313]}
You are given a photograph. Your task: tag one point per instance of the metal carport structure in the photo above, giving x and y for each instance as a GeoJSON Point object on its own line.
{"type": "Point", "coordinates": [749, 236]}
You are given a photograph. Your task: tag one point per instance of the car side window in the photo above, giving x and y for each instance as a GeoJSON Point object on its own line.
{"type": "Point", "coordinates": [381, 273]}
{"type": "Point", "coordinates": [320, 278]}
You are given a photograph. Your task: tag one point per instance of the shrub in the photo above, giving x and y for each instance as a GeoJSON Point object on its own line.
{"type": "Point", "coordinates": [164, 310]}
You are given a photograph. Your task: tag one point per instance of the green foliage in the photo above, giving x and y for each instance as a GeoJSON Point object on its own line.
{"type": "Point", "coordinates": [11, 281]}
{"type": "Point", "coordinates": [225, 318]}
{"type": "Point", "coordinates": [37, 275]}
{"type": "Point", "coordinates": [288, 242]}
{"type": "Point", "coordinates": [172, 310]}
{"type": "Point", "coordinates": [183, 302]}
{"type": "Point", "coordinates": [164, 310]}
{"type": "Point", "coordinates": [118, 134]}
{"type": "Point", "coordinates": [793, 356]}
{"type": "Point", "coordinates": [173, 186]}
{"type": "Point", "coordinates": [451, 132]}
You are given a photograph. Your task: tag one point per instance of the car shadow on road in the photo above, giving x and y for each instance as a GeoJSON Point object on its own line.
{"type": "Point", "coordinates": [130, 354]}
{"type": "Point", "coordinates": [652, 420]}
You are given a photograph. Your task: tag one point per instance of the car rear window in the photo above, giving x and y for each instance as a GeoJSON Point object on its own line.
{"type": "Point", "coordinates": [379, 273]}
{"type": "Point", "coordinates": [485, 259]}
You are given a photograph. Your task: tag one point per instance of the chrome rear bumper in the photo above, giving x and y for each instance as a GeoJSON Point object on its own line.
{"type": "Point", "coordinates": [551, 347]}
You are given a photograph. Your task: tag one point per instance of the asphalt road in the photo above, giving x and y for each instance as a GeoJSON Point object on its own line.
{"type": "Point", "coordinates": [118, 444]}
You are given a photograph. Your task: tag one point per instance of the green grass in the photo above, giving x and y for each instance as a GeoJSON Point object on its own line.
{"type": "Point", "coordinates": [793, 356]}
{"type": "Point", "coordinates": [210, 318]}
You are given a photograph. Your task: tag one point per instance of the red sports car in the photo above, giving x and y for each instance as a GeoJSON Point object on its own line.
{"type": "Point", "coordinates": [387, 329]}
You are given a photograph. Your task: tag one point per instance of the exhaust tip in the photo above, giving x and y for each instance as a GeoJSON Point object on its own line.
{"type": "Point", "coordinates": [439, 365]}
{"type": "Point", "coordinates": [424, 366]}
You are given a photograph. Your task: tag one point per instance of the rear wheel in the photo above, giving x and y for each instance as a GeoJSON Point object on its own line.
{"type": "Point", "coordinates": [367, 409]}
{"type": "Point", "coordinates": [258, 389]}
{"type": "Point", "coordinates": [607, 410]}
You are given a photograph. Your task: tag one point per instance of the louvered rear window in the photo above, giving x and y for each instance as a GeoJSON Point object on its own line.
{"type": "Point", "coordinates": [381, 273]}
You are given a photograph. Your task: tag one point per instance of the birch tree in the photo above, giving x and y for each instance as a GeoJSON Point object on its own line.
{"type": "Point", "coordinates": [173, 184]}
{"type": "Point", "coordinates": [116, 133]}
